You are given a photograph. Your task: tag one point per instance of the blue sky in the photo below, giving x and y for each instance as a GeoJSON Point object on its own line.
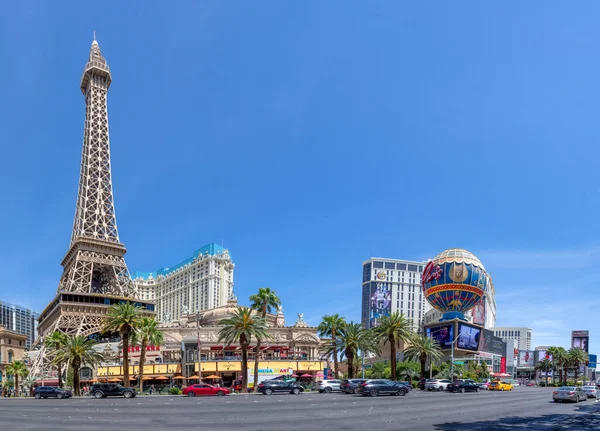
{"type": "Point", "coordinates": [307, 137]}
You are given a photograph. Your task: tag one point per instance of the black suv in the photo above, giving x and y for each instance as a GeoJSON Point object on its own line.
{"type": "Point", "coordinates": [51, 392]}
{"type": "Point", "coordinates": [103, 390]}
{"type": "Point", "coordinates": [270, 386]}
{"type": "Point", "coordinates": [351, 386]}
{"type": "Point", "coordinates": [376, 387]}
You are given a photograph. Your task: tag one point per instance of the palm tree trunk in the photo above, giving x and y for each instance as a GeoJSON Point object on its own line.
{"type": "Point", "coordinates": [335, 356]}
{"type": "Point", "coordinates": [350, 366]}
{"type": "Point", "coordinates": [393, 355]}
{"type": "Point", "coordinates": [423, 361]}
{"type": "Point", "coordinates": [245, 368]}
{"type": "Point", "coordinates": [141, 366]}
{"type": "Point", "coordinates": [256, 358]}
{"type": "Point", "coordinates": [75, 366]}
{"type": "Point", "coordinates": [125, 337]}
{"type": "Point", "coordinates": [576, 372]}
{"type": "Point", "coordinates": [16, 376]}
{"type": "Point", "coordinates": [60, 381]}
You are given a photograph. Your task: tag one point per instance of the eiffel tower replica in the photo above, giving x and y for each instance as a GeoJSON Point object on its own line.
{"type": "Point", "coordinates": [95, 274]}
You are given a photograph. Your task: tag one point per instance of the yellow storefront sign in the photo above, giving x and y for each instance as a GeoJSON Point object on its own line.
{"type": "Point", "coordinates": [310, 366]}
{"type": "Point", "coordinates": [206, 366]}
{"type": "Point", "coordinates": [229, 366]}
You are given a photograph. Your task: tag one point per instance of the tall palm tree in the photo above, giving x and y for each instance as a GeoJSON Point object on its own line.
{"type": "Point", "coordinates": [54, 342]}
{"type": "Point", "coordinates": [544, 365]}
{"type": "Point", "coordinates": [354, 338]}
{"type": "Point", "coordinates": [394, 328]}
{"type": "Point", "coordinates": [263, 302]}
{"type": "Point", "coordinates": [17, 369]}
{"type": "Point", "coordinates": [576, 358]}
{"type": "Point", "coordinates": [78, 351]}
{"type": "Point", "coordinates": [7, 385]}
{"type": "Point", "coordinates": [421, 349]}
{"type": "Point", "coordinates": [240, 328]}
{"type": "Point", "coordinates": [146, 334]}
{"type": "Point", "coordinates": [123, 318]}
{"type": "Point", "coordinates": [559, 361]}
{"type": "Point", "coordinates": [329, 327]}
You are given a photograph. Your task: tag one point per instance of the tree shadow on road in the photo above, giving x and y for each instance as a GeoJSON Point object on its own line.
{"type": "Point", "coordinates": [583, 418]}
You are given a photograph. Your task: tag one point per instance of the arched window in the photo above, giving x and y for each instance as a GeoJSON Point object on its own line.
{"type": "Point", "coordinates": [10, 356]}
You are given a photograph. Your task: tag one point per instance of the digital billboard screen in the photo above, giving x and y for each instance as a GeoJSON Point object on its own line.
{"type": "Point", "coordinates": [478, 312]}
{"type": "Point", "coordinates": [443, 335]}
{"type": "Point", "coordinates": [526, 358]}
{"type": "Point", "coordinates": [492, 344]}
{"type": "Point", "coordinates": [380, 302]}
{"type": "Point", "coordinates": [468, 337]}
{"type": "Point", "coordinates": [580, 340]}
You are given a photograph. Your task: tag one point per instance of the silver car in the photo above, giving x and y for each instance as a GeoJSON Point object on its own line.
{"type": "Point", "coordinates": [328, 386]}
{"type": "Point", "coordinates": [591, 391]}
{"type": "Point", "coordinates": [437, 384]}
{"type": "Point", "coordinates": [569, 393]}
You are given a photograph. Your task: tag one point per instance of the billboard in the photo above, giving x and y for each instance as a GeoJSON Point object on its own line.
{"type": "Point", "coordinates": [443, 334]}
{"type": "Point", "coordinates": [540, 355]}
{"type": "Point", "coordinates": [468, 337]}
{"type": "Point", "coordinates": [478, 312]}
{"type": "Point", "coordinates": [526, 358]}
{"type": "Point", "coordinates": [492, 344]}
{"type": "Point", "coordinates": [580, 340]}
{"type": "Point", "coordinates": [503, 364]}
{"type": "Point", "coordinates": [380, 302]}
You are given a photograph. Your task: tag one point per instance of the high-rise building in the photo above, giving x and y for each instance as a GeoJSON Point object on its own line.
{"type": "Point", "coordinates": [390, 285]}
{"type": "Point", "coordinates": [202, 282]}
{"type": "Point", "coordinates": [20, 320]}
{"type": "Point", "coordinates": [521, 335]}
{"type": "Point", "coordinates": [95, 275]}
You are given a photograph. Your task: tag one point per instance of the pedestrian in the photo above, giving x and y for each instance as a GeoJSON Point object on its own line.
{"type": "Point", "coordinates": [151, 391]}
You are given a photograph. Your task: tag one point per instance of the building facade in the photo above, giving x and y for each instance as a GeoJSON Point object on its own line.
{"type": "Point", "coordinates": [521, 335]}
{"type": "Point", "coordinates": [201, 282]}
{"type": "Point", "coordinates": [12, 348]}
{"type": "Point", "coordinates": [294, 349]}
{"type": "Point", "coordinates": [20, 320]}
{"type": "Point", "coordinates": [390, 285]}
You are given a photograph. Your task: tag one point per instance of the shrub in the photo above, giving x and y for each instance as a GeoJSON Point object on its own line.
{"type": "Point", "coordinates": [174, 391]}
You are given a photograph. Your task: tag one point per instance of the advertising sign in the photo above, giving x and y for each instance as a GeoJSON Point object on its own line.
{"type": "Point", "coordinates": [443, 335]}
{"type": "Point", "coordinates": [478, 312]}
{"type": "Point", "coordinates": [503, 364]}
{"type": "Point", "coordinates": [468, 337]}
{"type": "Point", "coordinates": [492, 344]}
{"type": "Point", "coordinates": [580, 340]}
{"type": "Point", "coordinates": [593, 361]}
{"type": "Point", "coordinates": [526, 359]}
{"type": "Point", "coordinates": [541, 355]}
{"type": "Point", "coordinates": [380, 302]}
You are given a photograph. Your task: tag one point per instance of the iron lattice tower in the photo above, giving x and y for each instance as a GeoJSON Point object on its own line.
{"type": "Point", "coordinates": [95, 274]}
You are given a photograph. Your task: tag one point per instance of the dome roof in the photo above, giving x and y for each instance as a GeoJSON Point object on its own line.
{"type": "Point", "coordinates": [459, 255]}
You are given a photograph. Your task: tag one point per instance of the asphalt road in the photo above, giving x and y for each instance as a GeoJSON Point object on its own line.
{"type": "Point", "coordinates": [523, 408]}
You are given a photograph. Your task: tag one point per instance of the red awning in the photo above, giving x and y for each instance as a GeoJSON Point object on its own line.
{"type": "Point", "coordinates": [216, 347]}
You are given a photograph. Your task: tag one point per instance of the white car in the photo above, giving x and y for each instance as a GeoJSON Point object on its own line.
{"type": "Point", "coordinates": [328, 386]}
{"type": "Point", "coordinates": [437, 384]}
{"type": "Point", "coordinates": [591, 391]}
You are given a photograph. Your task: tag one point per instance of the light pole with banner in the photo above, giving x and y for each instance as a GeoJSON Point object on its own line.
{"type": "Point", "coordinates": [452, 359]}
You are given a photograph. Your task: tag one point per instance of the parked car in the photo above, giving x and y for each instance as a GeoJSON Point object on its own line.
{"type": "Point", "coordinates": [484, 385]}
{"type": "Point", "coordinates": [591, 391]}
{"type": "Point", "coordinates": [408, 385]}
{"type": "Point", "coordinates": [103, 390]}
{"type": "Point", "coordinates": [437, 384]}
{"type": "Point", "coordinates": [569, 393]}
{"type": "Point", "coordinates": [350, 386]}
{"type": "Point", "coordinates": [500, 386]}
{"type": "Point", "coordinates": [203, 389]}
{"type": "Point", "coordinates": [328, 386]}
{"type": "Point", "coordinates": [422, 383]}
{"type": "Point", "coordinates": [377, 387]}
{"type": "Point", "coordinates": [269, 387]}
{"type": "Point", "coordinates": [463, 386]}
{"type": "Point", "coordinates": [51, 392]}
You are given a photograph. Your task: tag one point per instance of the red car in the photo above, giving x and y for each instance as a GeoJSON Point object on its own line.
{"type": "Point", "coordinates": [203, 389]}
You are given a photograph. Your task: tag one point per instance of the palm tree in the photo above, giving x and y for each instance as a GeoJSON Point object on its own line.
{"type": "Point", "coordinates": [544, 365]}
{"type": "Point", "coordinates": [17, 369]}
{"type": "Point", "coordinates": [394, 328]}
{"type": "Point", "coordinates": [7, 385]}
{"type": "Point", "coordinates": [421, 349]}
{"type": "Point", "coordinates": [146, 334]}
{"type": "Point", "coordinates": [352, 339]}
{"type": "Point", "coordinates": [54, 342]}
{"type": "Point", "coordinates": [240, 328]}
{"type": "Point", "coordinates": [78, 351]}
{"type": "Point", "coordinates": [559, 360]}
{"type": "Point", "coordinates": [263, 302]}
{"type": "Point", "coordinates": [123, 318]}
{"type": "Point", "coordinates": [329, 327]}
{"type": "Point", "coordinates": [577, 357]}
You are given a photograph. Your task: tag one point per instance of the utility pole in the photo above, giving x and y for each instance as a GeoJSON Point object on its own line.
{"type": "Point", "coordinates": [199, 346]}
{"type": "Point", "coordinates": [452, 360]}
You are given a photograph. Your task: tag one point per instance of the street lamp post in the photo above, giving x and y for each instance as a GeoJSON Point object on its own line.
{"type": "Point", "coordinates": [452, 359]}
{"type": "Point", "coordinates": [199, 347]}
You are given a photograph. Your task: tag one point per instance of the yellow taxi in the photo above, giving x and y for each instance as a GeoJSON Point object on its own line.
{"type": "Point", "coordinates": [500, 386]}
